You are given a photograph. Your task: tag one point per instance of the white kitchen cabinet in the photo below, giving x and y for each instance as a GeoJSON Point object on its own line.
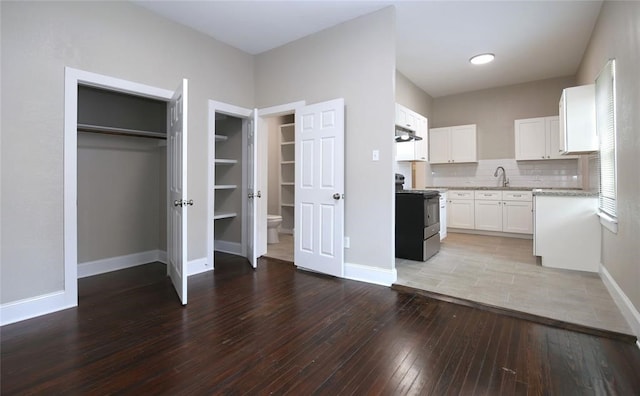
{"type": "Point", "coordinates": [413, 150]}
{"type": "Point", "coordinates": [538, 139]}
{"type": "Point", "coordinates": [461, 210]}
{"type": "Point", "coordinates": [443, 215]}
{"type": "Point", "coordinates": [567, 232]}
{"type": "Point", "coordinates": [453, 144]}
{"type": "Point", "coordinates": [504, 211]}
{"type": "Point", "coordinates": [488, 210]}
{"type": "Point", "coordinates": [577, 127]}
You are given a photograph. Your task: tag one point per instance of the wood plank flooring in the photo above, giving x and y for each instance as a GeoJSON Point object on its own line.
{"type": "Point", "coordinates": [282, 331]}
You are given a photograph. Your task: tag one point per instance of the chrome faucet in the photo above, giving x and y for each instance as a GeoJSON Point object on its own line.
{"type": "Point", "coordinates": [505, 180]}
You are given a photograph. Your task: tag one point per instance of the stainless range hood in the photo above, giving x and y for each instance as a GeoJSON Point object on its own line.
{"type": "Point", "coordinates": [405, 135]}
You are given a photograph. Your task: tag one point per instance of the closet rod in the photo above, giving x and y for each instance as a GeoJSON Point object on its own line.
{"type": "Point", "coordinates": [120, 131]}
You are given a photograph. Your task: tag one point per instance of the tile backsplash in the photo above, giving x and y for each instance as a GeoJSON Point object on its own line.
{"type": "Point", "coordinates": [539, 174]}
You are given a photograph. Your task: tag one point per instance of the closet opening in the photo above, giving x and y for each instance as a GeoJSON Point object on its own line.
{"type": "Point", "coordinates": [121, 180]}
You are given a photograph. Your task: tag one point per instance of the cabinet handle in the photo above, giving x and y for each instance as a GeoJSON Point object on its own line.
{"type": "Point", "coordinates": [543, 156]}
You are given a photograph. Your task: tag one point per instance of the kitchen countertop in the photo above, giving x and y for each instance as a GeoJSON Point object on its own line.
{"type": "Point", "coordinates": [481, 188]}
{"type": "Point", "coordinates": [544, 192]}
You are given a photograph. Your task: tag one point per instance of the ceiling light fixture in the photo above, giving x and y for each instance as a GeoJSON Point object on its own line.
{"type": "Point", "coordinates": [482, 59]}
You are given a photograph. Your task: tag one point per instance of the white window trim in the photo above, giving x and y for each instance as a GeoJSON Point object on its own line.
{"type": "Point", "coordinates": [610, 223]}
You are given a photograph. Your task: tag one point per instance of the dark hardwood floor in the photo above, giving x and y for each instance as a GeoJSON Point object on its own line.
{"type": "Point", "coordinates": [279, 330]}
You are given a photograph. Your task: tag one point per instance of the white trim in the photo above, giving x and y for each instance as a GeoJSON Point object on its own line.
{"type": "Point", "coordinates": [489, 233]}
{"type": "Point", "coordinates": [198, 266]}
{"type": "Point", "coordinates": [625, 305]}
{"type": "Point", "coordinates": [102, 266]}
{"type": "Point", "coordinates": [608, 222]}
{"type": "Point", "coordinates": [375, 275]}
{"type": "Point", "coordinates": [228, 247]}
{"type": "Point", "coordinates": [72, 78]}
{"type": "Point", "coordinates": [35, 306]}
{"type": "Point", "coordinates": [283, 109]}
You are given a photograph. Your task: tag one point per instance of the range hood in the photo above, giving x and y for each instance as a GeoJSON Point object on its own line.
{"type": "Point", "coordinates": [405, 135]}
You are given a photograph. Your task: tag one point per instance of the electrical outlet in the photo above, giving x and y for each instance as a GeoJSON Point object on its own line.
{"type": "Point", "coordinates": [347, 242]}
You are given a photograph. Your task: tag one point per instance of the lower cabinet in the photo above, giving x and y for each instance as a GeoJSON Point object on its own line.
{"type": "Point", "coordinates": [460, 213]}
{"type": "Point", "coordinates": [490, 210]}
{"type": "Point", "coordinates": [443, 215]}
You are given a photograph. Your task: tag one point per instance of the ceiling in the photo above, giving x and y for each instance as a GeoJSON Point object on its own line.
{"type": "Point", "coordinates": [532, 40]}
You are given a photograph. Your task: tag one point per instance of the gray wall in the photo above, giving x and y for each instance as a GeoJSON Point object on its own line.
{"type": "Point", "coordinates": [494, 111]}
{"type": "Point", "coordinates": [409, 95]}
{"type": "Point", "coordinates": [355, 61]}
{"type": "Point", "coordinates": [616, 35]}
{"type": "Point", "coordinates": [119, 196]}
{"type": "Point", "coordinates": [117, 39]}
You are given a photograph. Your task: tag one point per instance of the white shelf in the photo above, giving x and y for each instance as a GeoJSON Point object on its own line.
{"type": "Point", "coordinates": [287, 162]}
{"type": "Point", "coordinates": [287, 143]}
{"type": "Point", "coordinates": [287, 205]}
{"type": "Point", "coordinates": [225, 186]}
{"type": "Point", "coordinates": [287, 184]}
{"type": "Point", "coordinates": [225, 161]}
{"type": "Point", "coordinates": [220, 216]}
{"type": "Point", "coordinates": [220, 138]}
{"type": "Point", "coordinates": [120, 131]}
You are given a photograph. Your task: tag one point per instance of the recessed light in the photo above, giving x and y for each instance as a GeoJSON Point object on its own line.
{"type": "Point", "coordinates": [482, 59]}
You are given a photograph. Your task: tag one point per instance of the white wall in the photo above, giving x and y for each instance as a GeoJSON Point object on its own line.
{"type": "Point", "coordinates": [355, 61]}
{"type": "Point", "coordinates": [117, 39]}
{"type": "Point", "coordinates": [616, 35]}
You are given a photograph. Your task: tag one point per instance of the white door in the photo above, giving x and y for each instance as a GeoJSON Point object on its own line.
{"type": "Point", "coordinates": [439, 150]}
{"type": "Point", "coordinates": [531, 141]}
{"type": "Point", "coordinates": [463, 143]}
{"type": "Point", "coordinates": [488, 215]}
{"type": "Point", "coordinates": [252, 188]}
{"type": "Point", "coordinates": [319, 179]}
{"type": "Point", "coordinates": [177, 172]}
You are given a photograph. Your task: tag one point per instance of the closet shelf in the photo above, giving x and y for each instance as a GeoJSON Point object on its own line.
{"type": "Point", "coordinates": [220, 216]}
{"type": "Point", "coordinates": [120, 131]}
{"type": "Point", "coordinates": [287, 205]}
{"type": "Point", "coordinates": [287, 143]}
{"type": "Point", "coordinates": [287, 162]}
{"type": "Point", "coordinates": [288, 183]}
{"type": "Point", "coordinates": [220, 138]}
{"type": "Point", "coordinates": [225, 161]}
{"type": "Point", "coordinates": [225, 186]}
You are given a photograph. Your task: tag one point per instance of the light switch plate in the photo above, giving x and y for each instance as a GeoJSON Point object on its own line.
{"type": "Point", "coordinates": [375, 155]}
{"type": "Point", "coordinates": [347, 242]}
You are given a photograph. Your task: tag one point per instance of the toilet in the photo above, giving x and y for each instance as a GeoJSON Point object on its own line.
{"type": "Point", "coordinates": [273, 222]}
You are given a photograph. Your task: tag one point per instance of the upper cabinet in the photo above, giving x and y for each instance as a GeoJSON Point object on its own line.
{"type": "Point", "coordinates": [577, 133]}
{"type": "Point", "coordinates": [538, 139]}
{"type": "Point", "coordinates": [452, 144]}
{"type": "Point", "coordinates": [416, 149]}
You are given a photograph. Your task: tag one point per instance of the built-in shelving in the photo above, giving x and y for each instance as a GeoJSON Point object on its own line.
{"type": "Point", "coordinates": [287, 176]}
{"type": "Point", "coordinates": [220, 216]}
{"type": "Point", "coordinates": [220, 138]}
{"type": "Point", "coordinates": [120, 131]}
{"type": "Point", "coordinates": [221, 161]}
{"type": "Point", "coordinates": [225, 186]}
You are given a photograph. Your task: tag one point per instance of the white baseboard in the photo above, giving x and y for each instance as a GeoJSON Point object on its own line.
{"type": "Point", "coordinates": [97, 267]}
{"type": "Point", "coordinates": [198, 266]}
{"type": "Point", "coordinates": [32, 307]}
{"type": "Point", "coordinates": [228, 247]}
{"type": "Point", "coordinates": [375, 275]}
{"type": "Point", "coordinates": [629, 312]}
{"type": "Point", "coordinates": [28, 308]}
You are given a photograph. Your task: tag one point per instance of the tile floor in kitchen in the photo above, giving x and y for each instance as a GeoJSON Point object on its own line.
{"type": "Point", "coordinates": [503, 272]}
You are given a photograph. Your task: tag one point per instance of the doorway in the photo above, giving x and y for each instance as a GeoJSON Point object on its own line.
{"type": "Point", "coordinates": [175, 134]}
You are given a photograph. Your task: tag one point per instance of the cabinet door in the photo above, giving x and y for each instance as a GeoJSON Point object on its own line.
{"type": "Point", "coordinates": [517, 217]}
{"type": "Point", "coordinates": [460, 214]}
{"type": "Point", "coordinates": [488, 215]}
{"type": "Point", "coordinates": [420, 146]}
{"type": "Point", "coordinates": [463, 143]}
{"type": "Point", "coordinates": [405, 151]}
{"type": "Point", "coordinates": [555, 139]}
{"type": "Point", "coordinates": [443, 215]}
{"type": "Point", "coordinates": [439, 145]}
{"type": "Point", "coordinates": [531, 141]}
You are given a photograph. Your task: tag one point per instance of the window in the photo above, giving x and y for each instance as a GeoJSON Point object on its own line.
{"type": "Point", "coordinates": [606, 129]}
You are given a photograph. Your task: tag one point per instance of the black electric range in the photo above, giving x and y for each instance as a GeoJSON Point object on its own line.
{"type": "Point", "coordinates": [417, 224]}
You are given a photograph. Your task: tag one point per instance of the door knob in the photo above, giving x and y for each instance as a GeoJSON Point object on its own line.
{"type": "Point", "coordinates": [259, 195]}
{"type": "Point", "coordinates": [177, 202]}
{"type": "Point", "coordinates": [189, 202]}
{"type": "Point", "coordinates": [336, 196]}
{"type": "Point", "coordinates": [251, 195]}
